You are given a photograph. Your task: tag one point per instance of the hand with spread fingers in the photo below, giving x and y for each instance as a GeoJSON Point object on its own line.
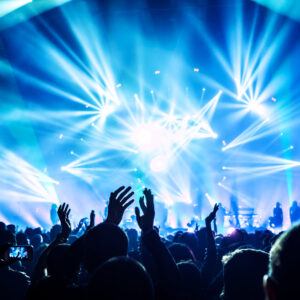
{"type": "Point", "coordinates": [119, 200]}
{"type": "Point", "coordinates": [63, 214]}
{"type": "Point", "coordinates": [146, 221]}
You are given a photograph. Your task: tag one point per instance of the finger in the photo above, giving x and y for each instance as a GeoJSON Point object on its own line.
{"type": "Point", "coordinates": [66, 208]}
{"type": "Point", "coordinates": [142, 204]}
{"type": "Point", "coordinates": [138, 215]}
{"type": "Point", "coordinates": [111, 197]}
{"type": "Point", "coordinates": [68, 212]}
{"type": "Point", "coordinates": [126, 198]}
{"type": "Point", "coordinates": [117, 191]}
{"type": "Point", "coordinates": [62, 211]}
{"type": "Point", "coordinates": [124, 193]}
{"type": "Point", "coordinates": [149, 200]}
{"type": "Point", "coordinates": [128, 204]}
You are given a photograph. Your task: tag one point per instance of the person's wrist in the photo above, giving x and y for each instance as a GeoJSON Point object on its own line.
{"type": "Point", "coordinates": [147, 230]}
{"type": "Point", "coordinates": [62, 238]}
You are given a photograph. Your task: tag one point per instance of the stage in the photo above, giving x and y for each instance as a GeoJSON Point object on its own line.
{"type": "Point", "coordinates": [197, 100]}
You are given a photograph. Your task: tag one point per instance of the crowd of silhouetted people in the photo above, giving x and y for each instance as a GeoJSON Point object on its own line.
{"type": "Point", "coordinates": [102, 261]}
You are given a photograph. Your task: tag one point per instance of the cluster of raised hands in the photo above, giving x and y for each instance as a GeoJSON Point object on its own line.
{"type": "Point", "coordinates": [119, 201]}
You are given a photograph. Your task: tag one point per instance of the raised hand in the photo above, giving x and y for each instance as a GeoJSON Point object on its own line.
{"type": "Point", "coordinates": [212, 215]}
{"type": "Point", "coordinates": [92, 220]}
{"type": "Point", "coordinates": [146, 221]}
{"type": "Point", "coordinates": [63, 214]}
{"type": "Point", "coordinates": [118, 202]}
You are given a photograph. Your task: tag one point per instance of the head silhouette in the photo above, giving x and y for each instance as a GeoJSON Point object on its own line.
{"type": "Point", "coordinates": [62, 264]}
{"type": "Point", "coordinates": [283, 279]}
{"type": "Point", "coordinates": [121, 278]}
{"type": "Point", "coordinates": [190, 281]}
{"type": "Point", "coordinates": [181, 252]}
{"type": "Point", "coordinates": [102, 243]}
{"type": "Point", "coordinates": [243, 274]}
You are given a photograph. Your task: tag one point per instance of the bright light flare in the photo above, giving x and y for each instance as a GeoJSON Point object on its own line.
{"type": "Point", "coordinates": [150, 137]}
{"type": "Point", "coordinates": [159, 163]}
{"type": "Point", "coordinates": [212, 201]}
{"type": "Point", "coordinates": [20, 180]}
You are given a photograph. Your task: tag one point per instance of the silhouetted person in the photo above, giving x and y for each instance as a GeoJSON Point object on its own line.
{"type": "Point", "coordinates": [121, 278]}
{"type": "Point", "coordinates": [277, 219]}
{"type": "Point", "coordinates": [190, 281]}
{"type": "Point", "coordinates": [103, 242]}
{"type": "Point", "coordinates": [282, 281]}
{"type": "Point", "coordinates": [221, 217]}
{"type": "Point", "coordinates": [243, 275]}
{"type": "Point", "coordinates": [13, 284]}
{"type": "Point", "coordinates": [234, 207]}
{"type": "Point", "coordinates": [294, 212]}
{"type": "Point", "coordinates": [181, 252]}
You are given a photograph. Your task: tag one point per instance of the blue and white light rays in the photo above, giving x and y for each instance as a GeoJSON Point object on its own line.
{"type": "Point", "coordinates": [251, 165]}
{"type": "Point", "coordinates": [20, 181]}
{"type": "Point", "coordinates": [253, 132]}
{"type": "Point", "coordinates": [89, 86]}
{"type": "Point", "coordinates": [122, 106]}
{"type": "Point", "coordinates": [253, 61]}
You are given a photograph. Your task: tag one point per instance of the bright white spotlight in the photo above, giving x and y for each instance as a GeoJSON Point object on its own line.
{"type": "Point", "coordinates": [106, 110]}
{"type": "Point", "coordinates": [159, 163]}
{"type": "Point", "coordinates": [150, 137]}
{"type": "Point", "coordinates": [256, 107]}
{"type": "Point", "coordinates": [253, 106]}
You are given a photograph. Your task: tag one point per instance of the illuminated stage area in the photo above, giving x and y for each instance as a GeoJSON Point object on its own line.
{"type": "Point", "coordinates": [197, 100]}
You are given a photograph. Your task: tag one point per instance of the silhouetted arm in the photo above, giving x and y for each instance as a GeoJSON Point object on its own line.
{"type": "Point", "coordinates": [168, 275]}
{"type": "Point", "coordinates": [40, 268]}
{"type": "Point", "coordinates": [210, 261]}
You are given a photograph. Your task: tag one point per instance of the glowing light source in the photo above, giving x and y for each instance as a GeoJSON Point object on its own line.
{"type": "Point", "coordinates": [230, 230]}
{"type": "Point", "coordinates": [159, 163]}
{"type": "Point", "coordinates": [149, 137]}
{"type": "Point", "coordinates": [256, 107]}
{"type": "Point", "coordinates": [106, 110]}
